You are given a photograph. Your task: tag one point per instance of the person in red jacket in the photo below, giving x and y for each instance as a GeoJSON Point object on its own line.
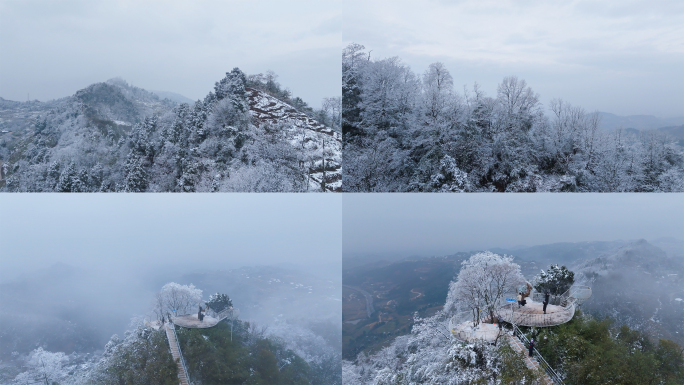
{"type": "Point", "coordinates": [531, 347]}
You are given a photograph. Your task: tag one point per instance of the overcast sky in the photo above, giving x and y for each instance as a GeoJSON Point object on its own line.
{"type": "Point", "coordinates": [623, 57]}
{"type": "Point", "coordinates": [137, 231]}
{"type": "Point", "coordinates": [440, 224]}
{"type": "Point", "coordinates": [51, 49]}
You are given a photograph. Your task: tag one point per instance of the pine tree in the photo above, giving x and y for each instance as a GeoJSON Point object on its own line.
{"type": "Point", "coordinates": [136, 175]}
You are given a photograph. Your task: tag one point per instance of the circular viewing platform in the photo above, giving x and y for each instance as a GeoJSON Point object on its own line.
{"type": "Point", "coordinates": [532, 314]}
{"type": "Point", "coordinates": [191, 321]}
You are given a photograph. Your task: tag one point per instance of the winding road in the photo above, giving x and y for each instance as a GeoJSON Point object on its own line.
{"type": "Point", "coordinates": [369, 299]}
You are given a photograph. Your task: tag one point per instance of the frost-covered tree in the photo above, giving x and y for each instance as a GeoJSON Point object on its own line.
{"type": "Point", "coordinates": [427, 357]}
{"type": "Point", "coordinates": [69, 180]}
{"type": "Point", "coordinates": [178, 299]}
{"type": "Point", "coordinates": [43, 367]}
{"type": "Point", "coordinates": [557, 280]}
{"type": "Point", "coordinates": [136, 178]}
{"type": "Point", "coordinates": [437, 95]}
{"type": "Point", "coordinates": [141, 357]}
{"type": "Point", "coordinates": [482, 282]}
{"type": "Point", "coordinates": [398, 128]}
{"type": "Point", "coordinates": [353, 60]}
{"type": "Point", "coordinates": [218, 302]}
{"type": "Point", "coordinates": [232, 87]}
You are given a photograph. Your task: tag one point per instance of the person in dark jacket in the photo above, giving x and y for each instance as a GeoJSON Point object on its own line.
{"type": "Point", "coordinates": [546, 300]}
{"type": "Point", "coordinates": [531, 347]}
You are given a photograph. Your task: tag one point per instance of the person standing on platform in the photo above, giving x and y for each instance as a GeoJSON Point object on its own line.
{"type": "Point", "coordinates": [531, 347]}
{"type": "Point", "coordinates": [546, 300]}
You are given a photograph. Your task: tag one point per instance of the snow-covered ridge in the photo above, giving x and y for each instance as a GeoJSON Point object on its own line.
{"type": "Point", "coordinates": [266, 108]}
{"type": "Point", "coordinates": [319, 141]}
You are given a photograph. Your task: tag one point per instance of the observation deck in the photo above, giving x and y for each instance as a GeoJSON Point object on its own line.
{"type": "Point", "coordinates": [560, 309]}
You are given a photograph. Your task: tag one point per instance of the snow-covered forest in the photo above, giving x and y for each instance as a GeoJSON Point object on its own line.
{"type": "Point", "coordinates": [410, 132]}
{"type": "Point", "coordinates": [248, 135]}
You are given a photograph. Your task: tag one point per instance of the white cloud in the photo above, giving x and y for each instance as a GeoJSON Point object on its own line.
{"type": "Point", "coordinates": [52, 49]}
{"type": "Point", "coordinates": [567, 43]}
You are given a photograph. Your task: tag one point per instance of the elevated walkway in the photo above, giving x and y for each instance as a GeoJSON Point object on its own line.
{"type": "Point", "coordinates": [519, 341]}
{"type": "Point", "coordinates": [530, 362]}
{"type": "Point", "coordinates": [176, 353]}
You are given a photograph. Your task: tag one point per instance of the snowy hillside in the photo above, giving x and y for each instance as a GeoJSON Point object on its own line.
{"type": "Point", "coordinates": [116, 137]}
{"type": "Point", "coordinates": [319, 143]}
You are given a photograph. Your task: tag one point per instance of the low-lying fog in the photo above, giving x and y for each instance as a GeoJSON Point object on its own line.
{"type": "Point", "coordinates": [76, 269]}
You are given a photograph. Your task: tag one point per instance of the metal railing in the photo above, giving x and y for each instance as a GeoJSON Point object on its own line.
{"type": "Point", "coordinates": [511, 314]}
{"type": "Point", "coordinates": [575, 295]}
{"type": "Point", "coordinates": [180, 353]}
{"type": "Point", "coordinates": [542, 362]}
{"type": "Point", "coordinates": [224, 313]}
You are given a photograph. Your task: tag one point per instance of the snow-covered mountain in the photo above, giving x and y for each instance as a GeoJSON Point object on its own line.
{"type": "Point", "coordinates": [318, 142]}
{"type": "Point", "coordinates": [112, 136]}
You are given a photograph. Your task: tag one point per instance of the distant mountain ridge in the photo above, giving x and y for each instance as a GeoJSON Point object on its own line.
{"type": "Point", "coordinates": [178, 98]}
{"type": "Point", "coordinates": [563, 253]}
{"type": "Point", "coordinates": [640, 122]}
{"type": "Point", "coordinates": [638, 285]}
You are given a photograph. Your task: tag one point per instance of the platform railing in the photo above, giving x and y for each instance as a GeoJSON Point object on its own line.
{"type": "Point", "coordinates": [509, 314]}
{"type": "Point", "coordinates": [575, 295]}
{"type": "Point", "coordinates": [540, 359]}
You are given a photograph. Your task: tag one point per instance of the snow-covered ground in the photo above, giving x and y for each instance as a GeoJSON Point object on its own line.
{"type": "Point", "coordinates": [318, 141]}
{"type": "Point", "coordinates": [465, 331]}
